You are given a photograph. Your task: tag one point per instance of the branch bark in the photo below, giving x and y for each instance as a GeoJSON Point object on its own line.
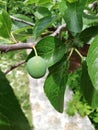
{"type": "Point", "coordinates": [22, 21]}
{"type": "Point", "coordinates": [18, 46]}
{"type": "Point", "coordinates": [4, 48]}
{"type": "Point", "coordinates": [15, 66]}
{"type": "Point", "coordinates": [58, 30]}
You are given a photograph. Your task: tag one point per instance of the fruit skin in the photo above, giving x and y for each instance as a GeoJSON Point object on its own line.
{"type": "Point", "coordinates": [36, 67]}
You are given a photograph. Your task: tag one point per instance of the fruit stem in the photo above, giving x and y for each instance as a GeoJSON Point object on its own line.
{"type": "Point", "coordinates": [13, 38]}
{"type": "Point", "coordinates": [35, 51]}
{"type": "Point", "coordinates": [79, 53]}
{"type": "Point", "coordinates": [70, 53]}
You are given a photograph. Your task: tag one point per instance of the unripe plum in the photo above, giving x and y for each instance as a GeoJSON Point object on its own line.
{"type": "Point", "coordinates": [36, 67]}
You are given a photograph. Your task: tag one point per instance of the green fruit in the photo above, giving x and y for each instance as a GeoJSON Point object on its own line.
{"type": "Point", "coordinates": [36, 67]}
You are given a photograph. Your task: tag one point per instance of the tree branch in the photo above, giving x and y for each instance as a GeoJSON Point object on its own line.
{"type": "Point", "coordinates": [4, 48]}
{"type": "Point", "coordinates": [15, 66]}
{"type": "Point", "coordinates": [22, 21]}
{"type": "Point", "coordinates": [18, 46]}
{"type": "Point", "coordinates": [59, 29]}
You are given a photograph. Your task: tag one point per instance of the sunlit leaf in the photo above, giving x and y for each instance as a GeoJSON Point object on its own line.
{"type": "Point", "coordinates": [92, 62]}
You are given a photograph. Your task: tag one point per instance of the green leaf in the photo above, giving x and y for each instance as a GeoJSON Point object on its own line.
{"type": "Point", "coordinates": [30, 1]}
{"type": "Point", "coordinates": [88, 33]}
{"type": "Point", "coordinates": [92, 62]}
{"type": "Point", "coordinates": [73, 15]}
{"type": "Point", "coordinates": [72, 1]}
{"type": "Point", "coordinates": [5, 40]}
{"type": "Point", "coordinates": [90, 93]}
{"type": "Point", "coordinates": [21, 31]}
{"type": "Point", "coordinates": [71, 109]}
{"type": "Point", "coordinates": [11, 115]}
{"type": "Point", "coordinates": [74, 79]}
{"type": "Point", "coordinates": [42, 12]}
{"type": "Point", "coordinates": [38, 2]}
{"type": "Point", "coordinates": [90, 17]}
{"type": "Point", "coordinates": [51, 49]}
{"type": "Point", "coordinates": [22, 17]}
{"type": "Point", "coordinates": [43, 24]}
{"type": "Point", "coordinates": [42, 2]}
{"type": "Point", "coordinates": [62, 7]}
{"type": "Point", "coordinates": [6, 24]}
{"type": "Point", "coordinates": [55, 84]}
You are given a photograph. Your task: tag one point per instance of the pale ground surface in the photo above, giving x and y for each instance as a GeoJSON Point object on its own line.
{"type": "Point", "coordinates": [44, 115]}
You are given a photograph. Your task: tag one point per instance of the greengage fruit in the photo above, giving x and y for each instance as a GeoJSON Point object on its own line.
{"type": "Point", "coordinates": [36, 67]}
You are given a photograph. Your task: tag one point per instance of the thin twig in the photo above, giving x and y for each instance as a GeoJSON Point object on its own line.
{"type": "Point", "coordinates": [79, 53]}
{"type": "Point", "coordinates": [18, 46]}
{"type": "Point", "coordinates": [22, 21]}
{"type": "Point", "coordinates": [70, 54]}
{"type": "Point", "coordinates": [15, 66]}
{"type": "Point", "coordinates": [58, 30]}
